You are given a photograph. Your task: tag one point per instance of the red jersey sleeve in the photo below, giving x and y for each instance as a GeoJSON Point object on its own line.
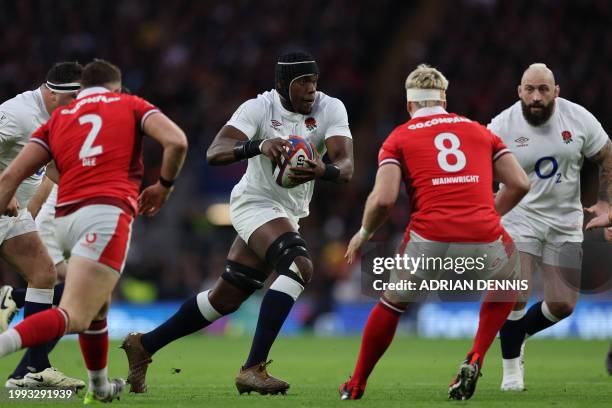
{"type": "Point", "coordinates": [143, 109]}
{"type": "Point", "coordinates": [390, 152]}
{"type": "Point", "coordinates": [499, 147]}
{"type": "Point", "coordinates": [41, 136]}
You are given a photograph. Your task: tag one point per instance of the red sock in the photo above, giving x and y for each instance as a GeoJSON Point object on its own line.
{"type": "Point", "coordinates": [377, 336]}
{"type": "Point", "coordinates": [41, 328]}
{"type": "Point", "coordinates": [94, 345]}
{"type": "Point", "coordinates": [493, 315]}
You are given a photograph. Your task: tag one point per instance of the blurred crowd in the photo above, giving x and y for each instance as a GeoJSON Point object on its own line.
{"type": "Point", "coordinates": [198, 60]}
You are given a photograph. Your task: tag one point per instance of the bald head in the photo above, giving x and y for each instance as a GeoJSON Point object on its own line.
{"type": "Point", "coordinates": [537, 92]}
{"type": "Point", "coordinates": [538, 73]}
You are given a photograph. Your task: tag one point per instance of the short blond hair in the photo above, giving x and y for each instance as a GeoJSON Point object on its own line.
{"type": "Point", "coordinates": [427, 77]}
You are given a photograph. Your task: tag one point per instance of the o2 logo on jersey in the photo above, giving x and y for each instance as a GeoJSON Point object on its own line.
{"type": "Point", "coordinates": [41, 171]}
{"type": "Point", "coordinates": [445, 152]}
{"type": "Point", "coordinates": [546, 167]}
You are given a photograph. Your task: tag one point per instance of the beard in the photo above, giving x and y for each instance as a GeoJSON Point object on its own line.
{"type": "Point", "coordinates": [537, 118]}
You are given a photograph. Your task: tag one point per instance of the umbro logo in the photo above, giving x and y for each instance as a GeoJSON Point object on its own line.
{"type": "Point", "coordinates": [522, 141]}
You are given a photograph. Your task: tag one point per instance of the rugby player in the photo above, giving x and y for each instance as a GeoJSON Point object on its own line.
{"type": "Point", "coordinates": [19, 118]}
{"type": "Point", "coordinates": [448, 163]}
{"type": "Point", "coordinates": [96, 143]}
{"type": "Point", "coordinates": [550, 137]}
{"type": "Point", "coordinates": [265, 216]}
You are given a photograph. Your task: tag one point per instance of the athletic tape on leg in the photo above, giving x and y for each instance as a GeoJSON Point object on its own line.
{"type": "Point", "coordinates": [287, 285]}
{"type": "Point", "coordinates": [206, 308]}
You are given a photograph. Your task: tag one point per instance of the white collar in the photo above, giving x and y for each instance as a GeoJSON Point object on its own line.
{"type": "Point", "coordinates": [41, 102]}
{"type": "Point", "coordinates": [429, 111]}
{"type": "Point", "coordinates": [93, 90]}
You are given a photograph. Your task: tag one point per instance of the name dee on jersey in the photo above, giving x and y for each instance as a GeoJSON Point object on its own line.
{"type": "Point", "coordinates": [91, 99]}
{"type": "Point", "coordinates": [438, 121]}
{"type": "Point", "coordinates": [89, 161]}
{"type": "Point", "coordinates": [455, 180]}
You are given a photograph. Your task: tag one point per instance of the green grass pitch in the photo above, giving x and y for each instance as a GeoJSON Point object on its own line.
{"type": "Point", "coordinates": [414, 373]}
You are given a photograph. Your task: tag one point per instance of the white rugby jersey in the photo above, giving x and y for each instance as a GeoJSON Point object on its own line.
{"type": "Point", "coordinates": [265, 118]}
{"type": "Point", "coordinates": [552, 156]}
{"type": "Point", "coordinates": [19, 118]}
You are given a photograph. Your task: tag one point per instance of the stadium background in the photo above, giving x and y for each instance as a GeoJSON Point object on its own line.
{"type": "Point", "coordinates": [198, 60]}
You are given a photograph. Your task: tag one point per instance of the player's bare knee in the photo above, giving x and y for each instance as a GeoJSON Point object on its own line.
{"type": "Point", "coordinates": [305, 268]}
{"type": "Point", "coordinates": [561, 310]}
{"type": "Point", "coordinates": [41, 275]}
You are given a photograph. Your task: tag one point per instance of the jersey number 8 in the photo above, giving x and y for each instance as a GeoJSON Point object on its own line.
{"type": "Point", "coordinates": [444, 152]}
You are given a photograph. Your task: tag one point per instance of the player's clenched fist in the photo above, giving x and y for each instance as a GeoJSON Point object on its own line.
{"type": "Point", "coordinates": [12, 209]}
{"type": "Point", "coordinates": [275, 149]}
{"type": "Point", "coordinates": [152, 199]}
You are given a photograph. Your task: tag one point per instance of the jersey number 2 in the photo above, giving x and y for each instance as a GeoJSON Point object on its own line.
{"type": "Point", "coordinates": [88, 150]}
{"type": "Point", "coordinates": [444, 152]}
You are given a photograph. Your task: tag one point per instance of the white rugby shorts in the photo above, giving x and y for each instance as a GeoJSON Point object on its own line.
{"type": "Point", "coordinates": [45, 221]}
{"type": "Point", "coordinates": [11, 227]}
{"type": "Point", "coordinates": [98, 232]}
{"type": "Point", "coordinates": [499, 260]}
{"type": "Point", "coordinates": [539, 239]}
{"type": "Point", "coordinates": [248, 214]}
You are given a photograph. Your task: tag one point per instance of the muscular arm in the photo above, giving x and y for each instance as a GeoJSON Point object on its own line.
{"type": "Point", "coordinates": [508, 171]}
{"type": "Point", "coordinates": [40, 196]}
{"type": "Point", "coordinates": [340, 152]}
{"type": "Point", "coordinates": [31, 158]}
{"type": "Point", "coordinates": [378, 205]}
{"type": "Point", "coordinates": [173, 141]}
{"type": "Point", "coordinates": [382, 198]}
{"type": "Point", "coordinates": [221, 150]}
{"type": "Point", "coordinates": [603, 159]}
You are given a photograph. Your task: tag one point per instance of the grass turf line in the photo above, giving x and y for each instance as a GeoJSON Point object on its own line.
{"type": "Point", "coordinates": [414, 372]}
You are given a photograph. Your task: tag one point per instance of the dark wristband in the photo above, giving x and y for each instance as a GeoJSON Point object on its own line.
{"type": "Point", "coordinates": [166, 183]}
{"type": "Point", "coordinates": [332, 172]}
{"type": "Point", "coordinates": [247, 149]}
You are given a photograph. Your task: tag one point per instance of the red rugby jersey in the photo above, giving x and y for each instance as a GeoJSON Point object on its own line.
{"type": "Point", "coordinates": [447, 165]}
{"type": "Point", "coordinates": [96, 143]}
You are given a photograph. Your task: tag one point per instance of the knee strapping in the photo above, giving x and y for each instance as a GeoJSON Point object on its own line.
{"type": "Point", "coordinates": [282, 253]}
{"type": "Point", "coordinates": [243, 277]}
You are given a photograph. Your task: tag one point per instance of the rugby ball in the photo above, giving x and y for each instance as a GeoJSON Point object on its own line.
{"type": "Point", "coordinates": [298, 153]}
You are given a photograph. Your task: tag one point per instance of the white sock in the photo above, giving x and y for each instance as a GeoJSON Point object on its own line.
{"type": "Point", "coordinates": [10, 342]}
{"type": "Point", "coordinates": [98, 380]}
{"type": "Point", "coordinates": [288, 286]}
{"type": "Point", "coordinates": [512, 367]}
{"type": "Point", "coordinates": [44, 296]}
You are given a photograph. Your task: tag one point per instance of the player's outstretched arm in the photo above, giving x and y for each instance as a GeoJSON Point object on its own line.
{"type": "Point", "coordinates": [603, 159]}
{"type": "Point", "coordinates": [231, 145]}
{"type": "Point", "coordinates": [601, 210]}
{"type": "Point", "coordinates": [31, 158]}
{"type": "Point", "coordinates": [174, 143]}
{"type": "Point", "coordinates": [378, 205]}
{"type": "Point", "coordinates": [508, 171]}
{"type": "Point", "coordinates": [41, 195]}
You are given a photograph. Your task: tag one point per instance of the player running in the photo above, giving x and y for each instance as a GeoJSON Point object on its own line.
{"type": "Point", "coordinates": [21, 247]}
{"type": "Point", "coordinates": [448, 163]}
{"type": "Point", "coordinates": [265, 216]}
{"type": "Point", "coordinates": [96, 143]}
{"type": "Point", "coordinates": [550, 136]}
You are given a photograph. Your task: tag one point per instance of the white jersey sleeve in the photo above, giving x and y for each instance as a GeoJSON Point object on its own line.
{"type": "Point", "coordinates": [596, 136]}
{"type": "Point", "coordinates": [9, 129]}
{"type": "Point", "coordinates": [248, 116]}
{"type": "Point", "coordinates": [337, 119]}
